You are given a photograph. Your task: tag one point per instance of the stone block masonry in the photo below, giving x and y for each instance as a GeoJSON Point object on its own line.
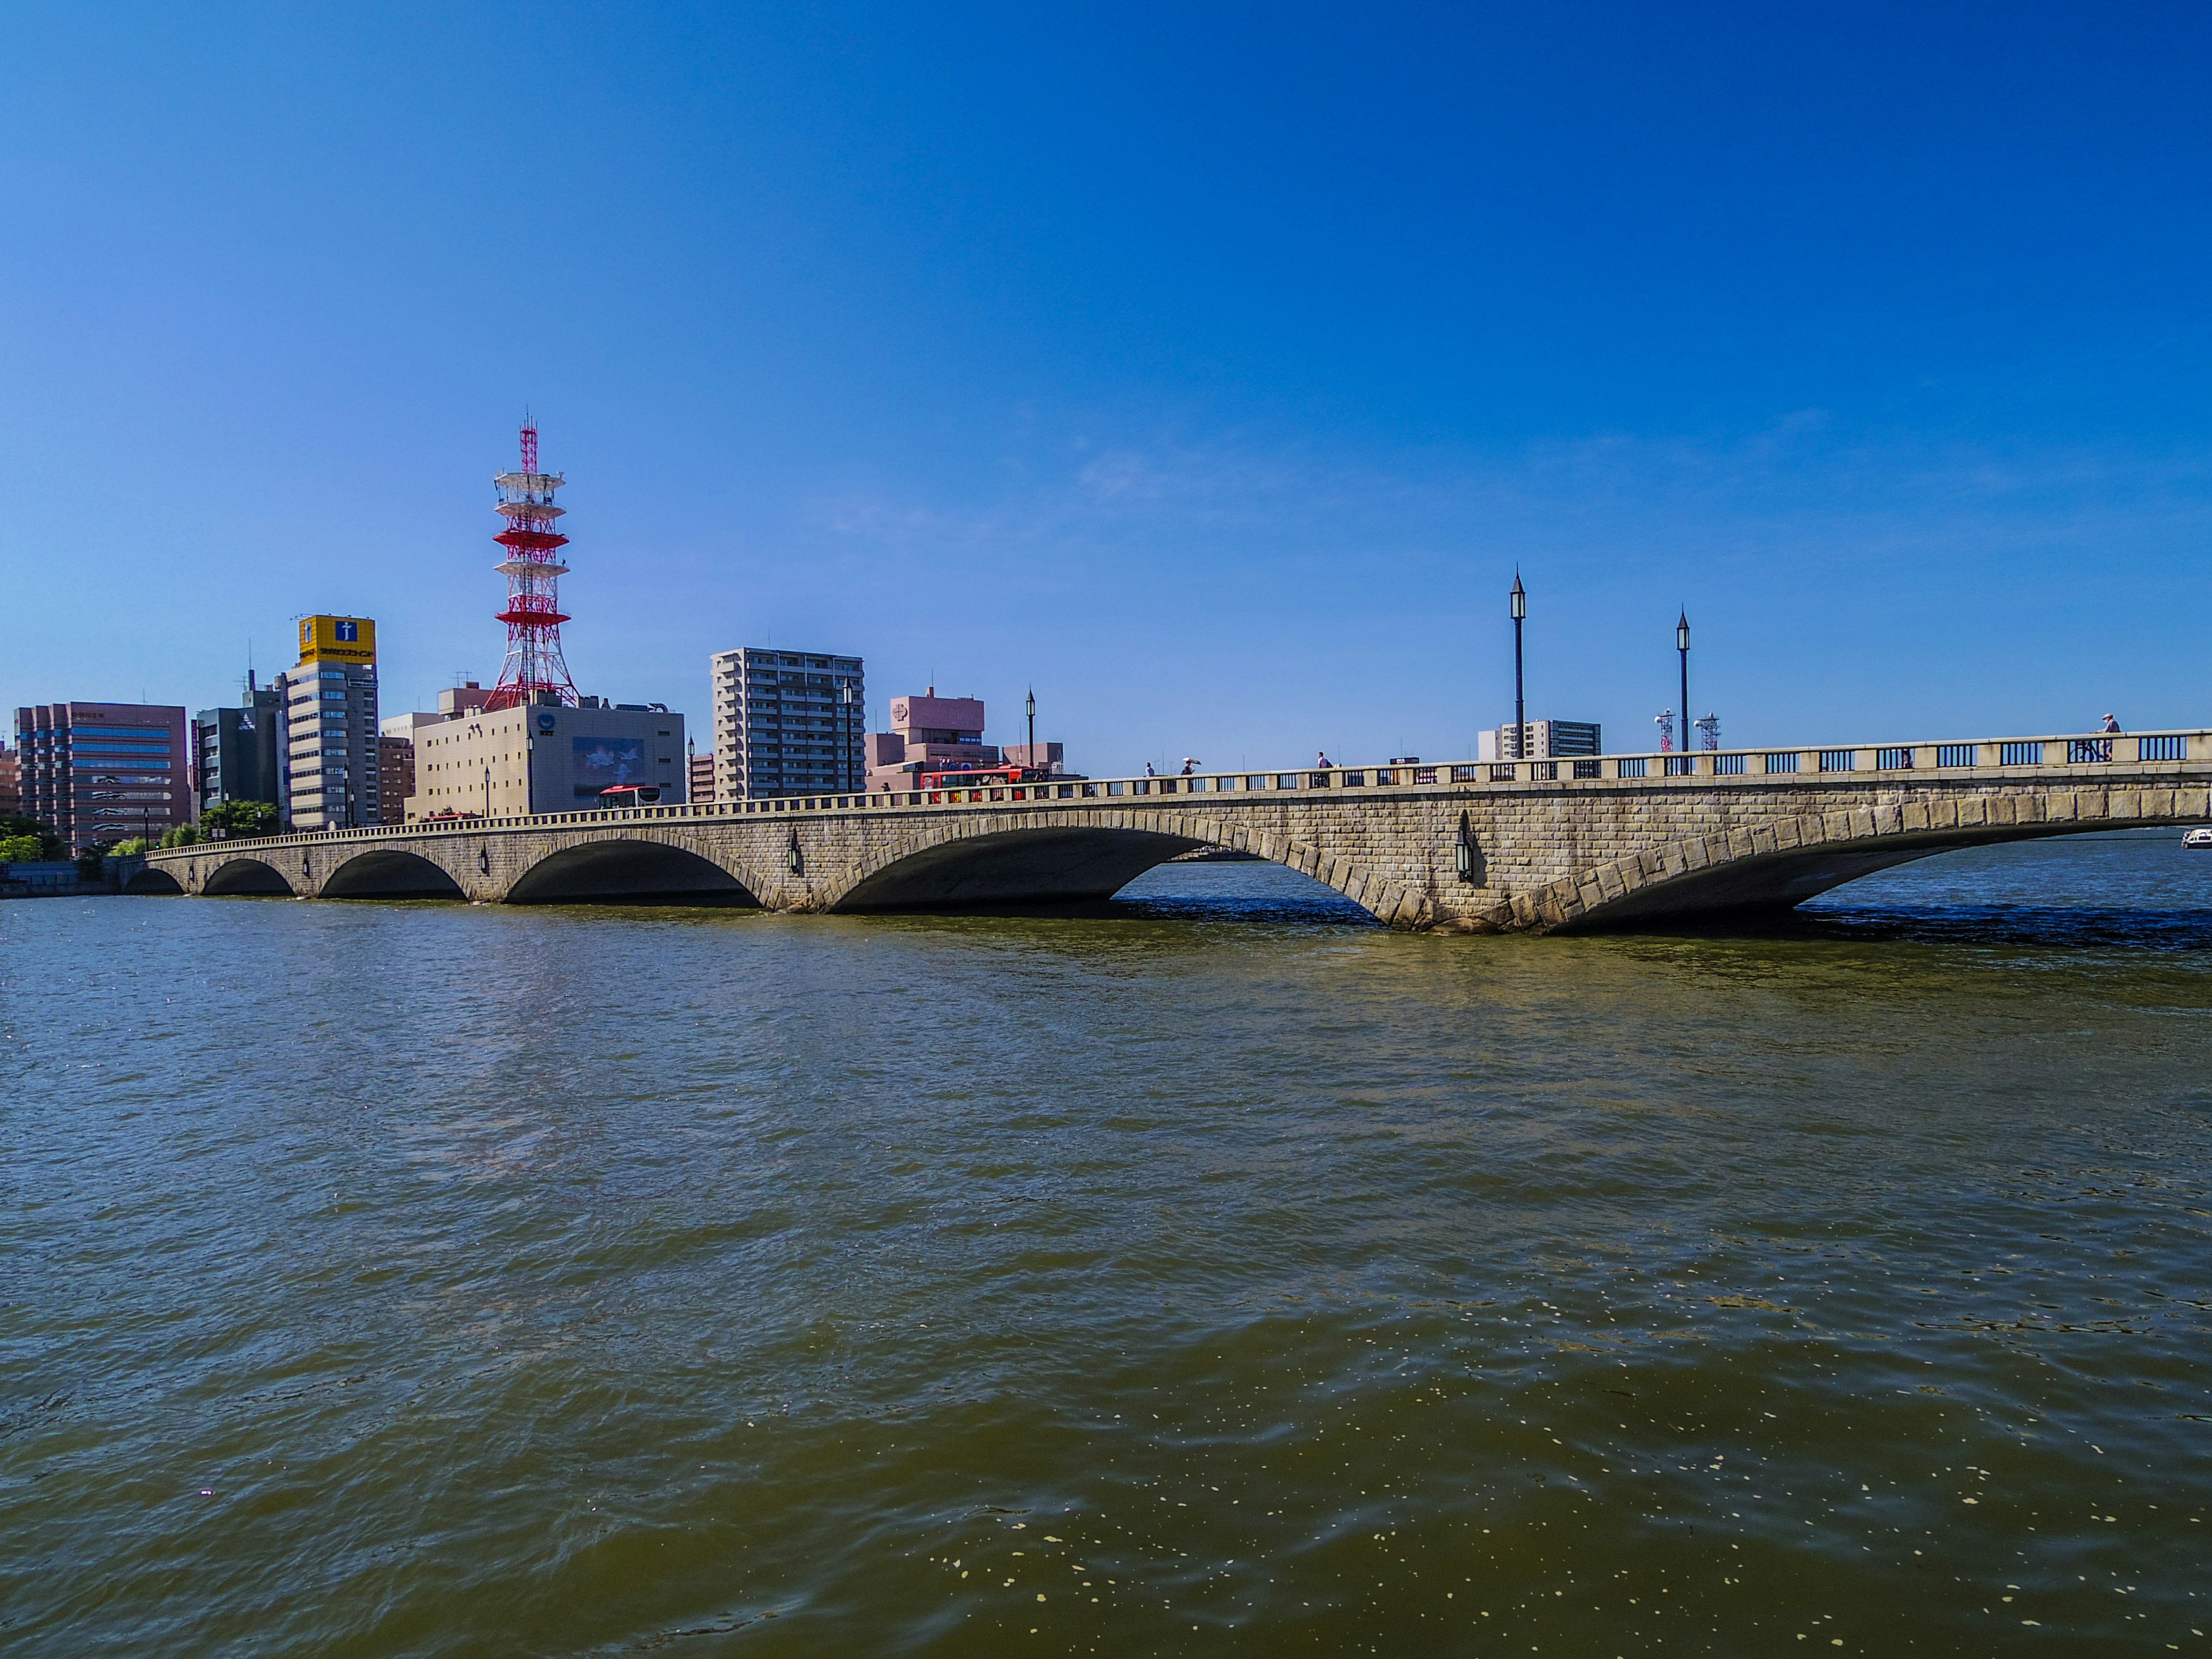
{"type": "Point", "coordinates": [1541, 853]}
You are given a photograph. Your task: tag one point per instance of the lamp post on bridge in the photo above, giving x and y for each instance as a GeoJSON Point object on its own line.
{"type": "Point", "coordinates": [1682, 645]}
{"type": "Point", "coordinates": [1519, 605]}
{"type": "Point", "coordinates": [847, 777]}
{"type": "Point", "coordinates": [1030, 708]}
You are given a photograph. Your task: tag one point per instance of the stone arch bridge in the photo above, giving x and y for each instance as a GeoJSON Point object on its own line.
{"type": "Point", "coordinates": [1526, 846]}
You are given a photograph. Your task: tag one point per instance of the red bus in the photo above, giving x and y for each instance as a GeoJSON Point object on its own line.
{"type": "Point", "coordinates": [982, 777]}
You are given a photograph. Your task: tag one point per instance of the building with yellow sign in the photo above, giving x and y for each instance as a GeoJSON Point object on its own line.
{"type": "Point", "coordinates": [328, 769]}
{"type": "Point", "coordinates": [338, 639]}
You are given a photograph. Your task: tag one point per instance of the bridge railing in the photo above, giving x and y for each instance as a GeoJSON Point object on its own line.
{"type": "Point", "coordinates": [2153, 754]}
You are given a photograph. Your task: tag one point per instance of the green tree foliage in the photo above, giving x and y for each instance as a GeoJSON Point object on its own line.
{"type": "Point", "coordinates": [235, 819]}
{"type": "Point", "coordinates": [128, 849]}
{"type": "Point", "coordinates": [183, 835]}
{"type": "Point", "coordinates": [14, 825]}
{"type": "Point", "coordinates": [22, 849]}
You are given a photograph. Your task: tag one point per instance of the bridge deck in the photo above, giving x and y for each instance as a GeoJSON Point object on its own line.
{"type": "Point", "coordinates": [1535, 844]}
{"type": "Point", "coordinates": [2148, 756]}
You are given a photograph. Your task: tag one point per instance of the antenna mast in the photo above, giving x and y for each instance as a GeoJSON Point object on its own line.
{"type": "Point", "coordinates": [534, 572]}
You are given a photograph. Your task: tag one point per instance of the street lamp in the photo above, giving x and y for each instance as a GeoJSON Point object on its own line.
{"type": "Point", "coordinates": [1682, 645]}
{"type": "Point", "coordinates": [845, 773]}
{"type": "Point", "coordinates": [1030, 707]}
{"type": "Point", "coordinates": [1519, 598]}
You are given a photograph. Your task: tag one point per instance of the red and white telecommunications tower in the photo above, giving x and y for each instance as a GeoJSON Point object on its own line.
{"type": "Point", "coordinates": [533, 573]}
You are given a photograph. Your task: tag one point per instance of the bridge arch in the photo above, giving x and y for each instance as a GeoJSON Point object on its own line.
{"type": "Point", "coordinates": [389, 872]}
{"type": "Point", "coordinates": [245, 878]}
{"type": "Point", "coordinates": [158, 883]}
{"type": "Point", "coordinates": [1091, 856]}
{"type": "Point", "coordinates": [627, 871]}
{"type": "Point", "coordinates": [1061, 863]}
{"type": "Point", "coordinates": [1776, 866]}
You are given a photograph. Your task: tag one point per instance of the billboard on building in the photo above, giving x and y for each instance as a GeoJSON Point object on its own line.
{"type": "Point", "coordinates": [338, 639]}
{"type": "Point", "coordinates": [603, 763]}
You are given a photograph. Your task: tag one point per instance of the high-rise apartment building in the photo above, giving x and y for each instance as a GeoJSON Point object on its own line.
{"type": "Point", "coordinates": [1541, 740]}
{"type": "Point", "coordinates": [104, 772]}
{"type": "Point", "coordinates": [786, 723]}
{"type": "Point", "coordinates": [11, 783]}
{"type": "Point", "coordinates": [236, 751]}
{"type": "Point", "coordinates": [330, 772]}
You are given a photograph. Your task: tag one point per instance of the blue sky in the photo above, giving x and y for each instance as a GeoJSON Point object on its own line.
{"type": "Point", "coordinates": [1211, 369]}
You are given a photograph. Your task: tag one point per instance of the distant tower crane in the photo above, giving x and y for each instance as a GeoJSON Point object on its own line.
{"type": "Point", "coordinates": [534, 666]}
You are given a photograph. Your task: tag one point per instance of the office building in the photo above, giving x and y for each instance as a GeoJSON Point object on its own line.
{"type": "Point", "coordinates": [1541, 740]}
{"type": "Point", "coordinates": [466, 698]}
{"type": "Point", "coordinates": [786, 723]}
{"type": "Point", "coordinates": [1045, 757]}
{"type": "Point", "coordinates": [547, 757]}
{"type": "Point", "coordinates": [104, 772]}
{"type": "Point", "coordinates": [234, 750]}
{"type": "Point", "coordinates": [330, 772]}
{"type": "Point", "coordinates": [11, 783]}
{"type": "Point", "coordinates": [703, 779]}
{"type": "Point", "coordinates": [930, 733]}
{"type": "Point", "coordinates": [395, 777]}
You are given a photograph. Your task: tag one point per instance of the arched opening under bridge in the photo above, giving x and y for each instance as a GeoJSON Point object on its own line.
{"type": "Point", "coordinates": [627, 872]}
{"type": "Point", "coordinates": [158, 883]}
{"type": "Point", "coordinates": [1779, 881]}
{"type": "Point", "coordinates": [390, 873]}
{"type": "Point", "coordinates": [246, 878]}
{"type": "Point", "coordinates": [1016, 866]}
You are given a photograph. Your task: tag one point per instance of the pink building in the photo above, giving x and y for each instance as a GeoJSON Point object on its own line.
{"type": "Point", "coordinates": [104, 772]}
{"type": "Point", "coordinates": [930, 733]}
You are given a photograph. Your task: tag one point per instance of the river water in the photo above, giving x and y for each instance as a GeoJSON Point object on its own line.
{"type": "Point", "coordinates": [1211, 1273]}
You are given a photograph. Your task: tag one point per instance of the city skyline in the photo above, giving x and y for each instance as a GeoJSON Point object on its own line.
{"type": "Point", "coordinates": [1221, 410]}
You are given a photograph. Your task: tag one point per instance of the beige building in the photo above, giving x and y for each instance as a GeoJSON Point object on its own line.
{"type": "Point", "coordinates": [466, 698]}
{"type": "Point", "coordinates": [546, 757]}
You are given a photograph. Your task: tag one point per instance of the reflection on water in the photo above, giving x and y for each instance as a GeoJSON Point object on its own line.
{"type": "Point", "coordinates": [1217, 1272]}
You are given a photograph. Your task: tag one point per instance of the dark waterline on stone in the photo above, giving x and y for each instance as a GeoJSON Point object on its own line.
{"type": "Point", "coordinates": [419, 1279]}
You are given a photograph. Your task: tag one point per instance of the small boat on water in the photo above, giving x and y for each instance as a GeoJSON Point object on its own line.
{"type": "Point", "coordinates": [2200, 840]}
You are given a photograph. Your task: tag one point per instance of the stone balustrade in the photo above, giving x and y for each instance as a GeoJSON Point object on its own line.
{"type": "Point", "coordinates": [1529, 845]}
